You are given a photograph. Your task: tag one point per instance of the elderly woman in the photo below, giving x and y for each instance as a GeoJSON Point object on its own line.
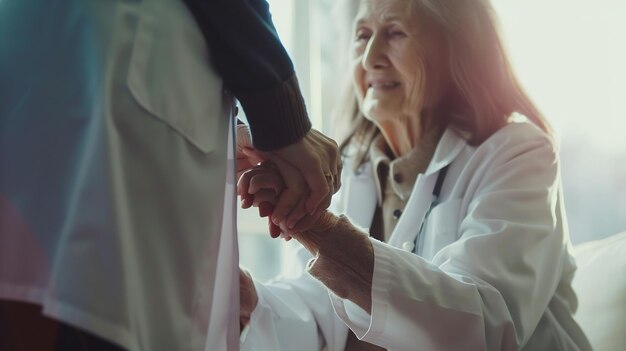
{"type": "Point", "coordinates": [453, 234]}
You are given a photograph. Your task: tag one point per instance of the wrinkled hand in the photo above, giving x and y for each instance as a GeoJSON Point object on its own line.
{"type": "Point", "coordinates": [260, 187]}
{"type": "Point", "coordinates": [317, 232]}
{"type": "Point", "coordinates": [308, 189]}
{"type": "Point", "coordinates": [248, 298]}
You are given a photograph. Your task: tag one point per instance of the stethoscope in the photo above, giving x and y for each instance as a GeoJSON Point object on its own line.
{"type": "Point", "coordinates": [434, 202]}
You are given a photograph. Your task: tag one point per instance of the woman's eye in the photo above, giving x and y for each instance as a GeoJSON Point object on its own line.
{"type": "Point", "coordinates": [397, 34]}
{"type": "Point", "coordinates": [362, 36]}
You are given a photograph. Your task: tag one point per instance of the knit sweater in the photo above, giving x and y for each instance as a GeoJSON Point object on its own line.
{"type": "Point", "coordinates": [247, 53]}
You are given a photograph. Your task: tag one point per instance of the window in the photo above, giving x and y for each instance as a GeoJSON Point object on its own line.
{"type": "Point", "coordinates": [571, 58]}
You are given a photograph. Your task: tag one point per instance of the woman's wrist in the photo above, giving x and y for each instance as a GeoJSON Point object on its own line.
{"type": "Point", "coordinates": [344, 261]}
{"type": "Point", "coordinates": [312, 239]}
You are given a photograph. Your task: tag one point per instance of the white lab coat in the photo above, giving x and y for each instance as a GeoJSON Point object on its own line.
{"type": "Point", "coordinates": [492, 270]}
{"type": "Point", "coordinates": [116, 191]}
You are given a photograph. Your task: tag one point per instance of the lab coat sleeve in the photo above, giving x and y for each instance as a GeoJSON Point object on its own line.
{"type": "Point", "coordinates": [293, 314]}
{"type": "Point", "coordinates": [489, 289]}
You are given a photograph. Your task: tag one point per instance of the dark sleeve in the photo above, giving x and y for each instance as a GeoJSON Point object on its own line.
{"type": "Point", "coordinates": [246, 51]}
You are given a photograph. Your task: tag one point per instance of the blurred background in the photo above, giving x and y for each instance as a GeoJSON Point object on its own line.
{"type": "Point", "coordinates": [570, 55]}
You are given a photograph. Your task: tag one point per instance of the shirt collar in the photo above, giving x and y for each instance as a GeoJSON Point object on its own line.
{"type": "Point", "coordinates": [450, 145]}
{"type": "Point", "coordinates": [402, 172]}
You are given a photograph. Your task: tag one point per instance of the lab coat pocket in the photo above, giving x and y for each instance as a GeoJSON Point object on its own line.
{"type": "Point", "coordinates": [441, 228]}
{"type": "Point", "coordinates": [170, 75]}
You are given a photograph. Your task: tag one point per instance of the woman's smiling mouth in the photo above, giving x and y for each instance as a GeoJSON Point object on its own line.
{"type": "Point", "coordinates": [383, 85]}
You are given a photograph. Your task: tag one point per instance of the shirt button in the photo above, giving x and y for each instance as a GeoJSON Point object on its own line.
{"type": "Point", "coordinates": [397, 177]}
{"type": "Point", "coordinates": [408, 246]}
{"type": "Point", "coordinates": [397, 213]}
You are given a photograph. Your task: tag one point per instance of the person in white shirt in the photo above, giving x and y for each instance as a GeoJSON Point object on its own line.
{"type": "Point", "coordinates": [449, 232]}
{"type": "Point", "coordinates": [117, 167]}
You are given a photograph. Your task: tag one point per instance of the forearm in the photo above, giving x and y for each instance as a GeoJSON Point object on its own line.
{"type": "Point", "coordinates": [244, 44]}
{"type": "Point", "coordinates": [246, 51]}
{"type": "Point", "coordinates": [343, 260]}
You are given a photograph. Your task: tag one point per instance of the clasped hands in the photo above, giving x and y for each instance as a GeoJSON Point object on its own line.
{"type": "Point", "coordinates": [262, 186]}
{"type": "Point", "coordinates": [293, 186]}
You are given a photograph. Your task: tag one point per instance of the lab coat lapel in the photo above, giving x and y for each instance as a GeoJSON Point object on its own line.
{"type": "Point", "coordinates": [451, 144]}
{"type": "Point", "coordinates": [408, 225]}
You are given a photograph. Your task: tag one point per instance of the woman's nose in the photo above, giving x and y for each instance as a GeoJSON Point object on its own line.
{"type": "Point", "coordinates": [375, 55]}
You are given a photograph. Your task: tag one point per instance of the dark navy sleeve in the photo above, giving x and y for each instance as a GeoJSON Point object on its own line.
{"type": "Point", "coordinates": [255, 67]}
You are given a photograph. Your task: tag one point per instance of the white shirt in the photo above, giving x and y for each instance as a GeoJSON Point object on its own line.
{"type": "Point", "coordinates": [117, 196]}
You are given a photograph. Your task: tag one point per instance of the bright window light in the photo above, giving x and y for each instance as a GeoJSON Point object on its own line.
{"type": "Point", "coordinates": [571, 58]}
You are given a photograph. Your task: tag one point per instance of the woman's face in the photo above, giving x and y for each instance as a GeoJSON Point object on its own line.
{"type": "Point", "coordinates": [393, 57]}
